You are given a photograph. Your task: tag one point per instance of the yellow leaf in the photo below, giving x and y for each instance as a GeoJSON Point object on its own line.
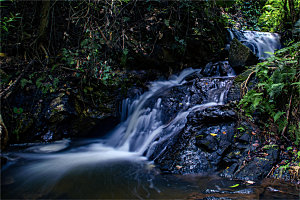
{"type": "Point", "coordinates": [213, 134]}
{"type": "Point", "coordinates": [2, 54]}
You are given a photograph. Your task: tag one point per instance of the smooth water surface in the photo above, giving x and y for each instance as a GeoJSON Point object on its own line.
{"type": "Point", "coordinates": [88, 170]}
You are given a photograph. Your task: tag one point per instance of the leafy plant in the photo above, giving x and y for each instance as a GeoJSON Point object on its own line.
{"type": "Point", "coordinates": [18, 110]}
{"type": "Point", "coordinates": [276, 97]}
{"type": "Point", "coordinates": [277, 15]}
{"type": "Point", "coordinates": [7, 22]}
{"type": "Point", "coordinates": [88, 58]}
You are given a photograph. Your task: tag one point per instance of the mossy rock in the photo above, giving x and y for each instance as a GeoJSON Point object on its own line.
{"type": "Point", "coordinates": [240, 56]}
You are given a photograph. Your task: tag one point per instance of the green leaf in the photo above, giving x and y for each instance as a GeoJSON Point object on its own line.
{"type": "Point", "coordinates": [167, 22]}
{"type": "Point", "coordinates": [18, 110]}
{"type": "Point", "coordinates": [289, 148]}
{"type": "Point", "coordinates": [256, 101]}
{"type": "Point", "coordinates": [278, 115]}
{"type": "Point", "coordinates": [233, 186]}
{"type": "Point", "coordinates": [38, 82]}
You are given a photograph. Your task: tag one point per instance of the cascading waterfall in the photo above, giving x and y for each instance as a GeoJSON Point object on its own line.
{"type": "Point", "coordinates": [263, 44]}
{"type": "Point", "coordinates": [118, 166]}
{"type": "Point", "coordinates": [145, 132]}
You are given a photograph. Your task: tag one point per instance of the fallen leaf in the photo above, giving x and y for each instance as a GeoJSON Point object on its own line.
{"type": "Point", "coordinates": [233, 186]}
{"type": "Point", "coordinates": [255, 144]}
{"type": "Point", "coordinates": [224, 132]}
{"type": "Point", "coordinates": [213, 134]}
{"type": "Point", "coordinates": [253, 133]}
{"type": "Point", "coordinates": [250, 182]}
{"type": "Point", "coordinates": [178, 167]}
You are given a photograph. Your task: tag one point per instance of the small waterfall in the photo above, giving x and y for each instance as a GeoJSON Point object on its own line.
{"type": "Point", "coordinates": [145, 132]}
{"type": "Point", "coordinates": [263, 44]}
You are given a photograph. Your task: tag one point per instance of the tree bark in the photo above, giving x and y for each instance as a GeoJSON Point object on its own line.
{"type": "Point", "coordinates": [44, 20]}
{"type": "Point", "coordinates": [292, 11]}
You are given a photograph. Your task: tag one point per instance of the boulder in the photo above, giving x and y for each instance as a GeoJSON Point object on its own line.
{"type": "Point", "coordinates": [240, 56]}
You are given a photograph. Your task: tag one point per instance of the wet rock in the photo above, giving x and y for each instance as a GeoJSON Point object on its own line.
{"type": "Point", "coordinates": [48, 136]}
{"type": "Point", "coordinates": [209, 143]}
{"type": "Point", "coordinates": [203, 143]}
{"type": "Point", "coordinates": [240, 56]}
{"type": "Point", "coordinates": [253, 169]}
{"type": "Point", "coordinates": [221, 68]}
{"type": "Point", "coordinates": [59, 109]}
{"type": "Point", "coordinates": [222, 113]}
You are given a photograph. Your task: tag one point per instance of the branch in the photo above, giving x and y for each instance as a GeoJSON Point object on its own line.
{"type": "Point", "coordinates": [15, 82]}
{"type": "Point", "coordinates": [103, 36]}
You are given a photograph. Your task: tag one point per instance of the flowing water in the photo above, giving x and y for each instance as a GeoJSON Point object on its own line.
{"type": "Point", "coordinates": [118, 165]}
{"type": "Point", "coordinates": [263, 44]}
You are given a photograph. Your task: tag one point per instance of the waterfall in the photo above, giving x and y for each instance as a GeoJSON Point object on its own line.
{"type": "Point", "coordinates": [145, 132]}
{"type": "Point", "coordinates": [263, 44]}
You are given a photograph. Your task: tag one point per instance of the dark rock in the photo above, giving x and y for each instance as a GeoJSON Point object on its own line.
{"type": "Point", "coordinates": [254, 169]}
{"type": "Point", "coordinates": [208, 144]}
{"type": "Point", "coordinates": [240, 56]}
{"type": "Point", "coordinates": [221, 68]}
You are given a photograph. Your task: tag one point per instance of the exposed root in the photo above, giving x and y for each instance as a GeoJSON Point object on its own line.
{"type": "Point", "coordinates": [244, 84]}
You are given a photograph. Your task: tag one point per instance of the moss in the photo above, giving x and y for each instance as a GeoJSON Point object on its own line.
{"type": "Point", "coordinates": [242, 77]}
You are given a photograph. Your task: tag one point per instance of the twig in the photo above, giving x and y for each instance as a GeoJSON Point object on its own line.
{"type": "Point", "coordinates": [15, 82]}
{"type": "Point", "coordinates": [103, 36]}
{"type": "Point", "coordinates": [273, 168]}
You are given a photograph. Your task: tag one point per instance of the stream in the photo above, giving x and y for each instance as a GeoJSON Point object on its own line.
{"type": "Point", "coordinates": [124, 164]}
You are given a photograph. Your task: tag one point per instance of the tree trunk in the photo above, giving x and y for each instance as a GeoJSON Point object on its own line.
{"type": "Point", "coordinates": [292, 11]}
{"type": "Point", "coordinates": [44, 20]}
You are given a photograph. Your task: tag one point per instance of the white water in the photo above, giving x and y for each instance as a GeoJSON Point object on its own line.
{"type": "Point", "coordinates": [144, 132]}
{"type": "Point", "coordinates": [263, 44]}
{"type": "Point", "coordinates": [141, 133]}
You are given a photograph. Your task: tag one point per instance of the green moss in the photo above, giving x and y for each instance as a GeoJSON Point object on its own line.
{"type": "Point", "coordinates": [242, 77]}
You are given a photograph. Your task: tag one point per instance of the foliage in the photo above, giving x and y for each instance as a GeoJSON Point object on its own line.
{"type": "Point", "coordinates": [7, 22]}
{"type": "Point", "coordinates": [243, 14]}
{"type": "Point", "coordinates": [277, 15]}
{"type": "Point", "coordinates": [276, 96]}
{"type": "Point", "coordinates": [250, 10]}
{"type": "Point", "coordinates": [88, 60]}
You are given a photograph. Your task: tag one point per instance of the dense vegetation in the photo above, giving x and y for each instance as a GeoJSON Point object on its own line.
{"type": "Point", "coordinates": [276, 96]}
{"type": "Point", "coordinates": [49, 45]}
